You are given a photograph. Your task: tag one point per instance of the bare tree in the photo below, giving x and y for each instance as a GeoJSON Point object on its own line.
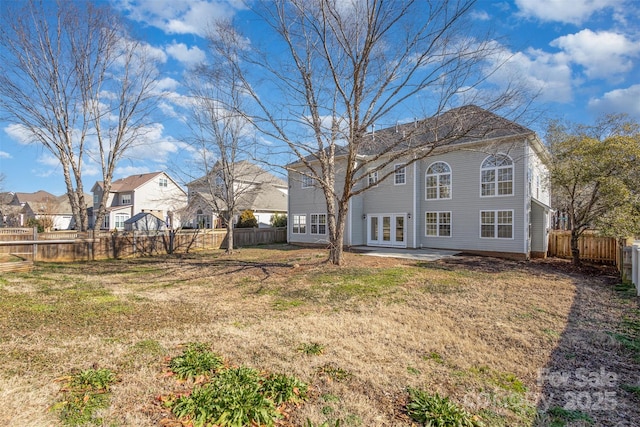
{"type": "Point", "coordinates": [220, 135]}
{"type": "Point", "coordinates": [343, 66]}
{"type": "Point", "coordinates": [74, 81]}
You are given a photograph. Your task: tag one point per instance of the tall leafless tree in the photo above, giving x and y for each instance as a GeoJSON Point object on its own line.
{"type": "Point", "coordinates": [336, 68]}
{"type": "Point", "coordinates": [74, 81]}
{"type": "Point", "coordinates": [221, 137]}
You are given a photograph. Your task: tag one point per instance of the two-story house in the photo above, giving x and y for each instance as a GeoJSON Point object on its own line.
{"type": "Point", "coordinates": [485, 192]}
{"type": "Point", "coordinates": [256, 189]}
{"type": "Point", "coordinates": [53, 211]}
{"type": "Point", "coordinates": [156, 193]}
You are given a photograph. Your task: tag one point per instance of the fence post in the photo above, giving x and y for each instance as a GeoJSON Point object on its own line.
{"type": "Point", "coordinates": [635, 269]}
{"type": "Point", "coordinates": [35, 245]}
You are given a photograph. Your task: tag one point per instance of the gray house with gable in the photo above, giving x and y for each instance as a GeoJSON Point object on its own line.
{"type": "Point", "coordinates": [486, 192]}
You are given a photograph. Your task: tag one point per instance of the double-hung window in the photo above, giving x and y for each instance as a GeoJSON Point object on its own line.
{"type": "Point", "coordinates": [162, 182]}
{"type": "Point", "coordinates": [496, 224]}
{"type": "Point", "coordinates": [299, 224]}
{"type": "Point", "coordinates": [307, 181]}
{"type": "Point", "coordinates": [438, 224]}
{"type": "Point", "coordinates": [318, 223]}
{"type": "Point", "coordinates": [496, 176]}
{"type": "Point", "coordinates": [120, 219]}
{"type": "Point", "coordinates": [400, 176]}
{"type": "Point", "coordinates": [438, 181]}
{"type": "Point", "coordinates": [373, 178]}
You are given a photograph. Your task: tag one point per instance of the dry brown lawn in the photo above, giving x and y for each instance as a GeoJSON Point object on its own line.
{"type": "Point", "coordinates": [496, 336]}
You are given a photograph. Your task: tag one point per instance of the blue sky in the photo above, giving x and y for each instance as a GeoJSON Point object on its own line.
{"type": "Point", "coordinates": [583, 56]}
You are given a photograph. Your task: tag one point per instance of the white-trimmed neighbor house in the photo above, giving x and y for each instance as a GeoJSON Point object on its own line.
{"type": "Point", "coordinates": [485, 193]}
{"type": "Point", "coordinates": [156, 193]}
{"type": "Point", "coordinates": [258, 190]}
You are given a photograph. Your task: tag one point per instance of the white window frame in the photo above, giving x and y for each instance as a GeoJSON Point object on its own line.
{"type": "Point", "coordinates": [105, 222]}
{"type": "Point", "coordinates": [119, 220]}
{"type": "Point", "coordinates": [439, 215]}
{"type": "Point", "coordinates": [373, 178]}
{"type": "Point", "coordinates": [400, 174]}
{"type": "Point", "coordinates": [497, 222]}
{"type": "Point", "coordinates": [163, 182]}
{"type": "Point", "coordinates": [438, 187]}
{"type": "Point", "coordinates": [318, 223]}
{"type": "Point", "coordinates": [298, 226]}
{"type": "Point", "coordinates": [125, 199]}
{"type": "Point", "coordinates": [308, 182]}
{"type": "Point", "coordinates": [496, 170]}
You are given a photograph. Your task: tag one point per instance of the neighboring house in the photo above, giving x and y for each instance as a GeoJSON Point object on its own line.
{"type": "Point", "coordinates": [155, 193]}
{"type": "Point", "coordinates": [54, 211]}
{"type": "Point", "coordinates": [257, 190]}
{"type": "Point", "coordinates": [485, 193]}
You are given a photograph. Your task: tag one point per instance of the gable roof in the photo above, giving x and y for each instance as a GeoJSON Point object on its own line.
{"type": "Point", "coordinates": [133, 182]}
{"type": "Point", "coordinates": [462, 125]}
{"type": "Point", "coordinates": [130, 183]}
{"type": "Point", "coordinates": [38, 196]}
{"type": "Point", "coordinates": [244, 171]}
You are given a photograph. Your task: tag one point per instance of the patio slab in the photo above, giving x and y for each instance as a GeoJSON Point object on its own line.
{"type": "Point", "coordinates": [424, 254]}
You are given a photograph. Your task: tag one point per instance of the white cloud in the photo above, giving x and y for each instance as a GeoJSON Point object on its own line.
{"type": "Point", "coordinates": [153, 145]}
{"type": "Point", "coordinates": [480, 15]}
{"type": "Point", "coordinates": [125, 171]}
{"type": "Point", "coordinates": [5, 155]}
{"type": "Point", "coordinates": [19, 133]}
{"type": "Point", "coordinates": [603, 54]}
{"type": "Point", "coordinates": [166, 83]}
{"type": "Point", "coordinates": [180, 16]}
{"type": "Point", "coordinates": [567, 11]}
{"type": "Point", "coordinates": [618, 101]}
{"type": "Point", "coordinates": [545, 74]}
{"type": "Point", "coordinates": [188, 56]}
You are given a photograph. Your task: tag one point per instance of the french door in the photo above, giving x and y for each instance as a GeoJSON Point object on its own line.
{"type": "Point", "coordinates": [387, 230]}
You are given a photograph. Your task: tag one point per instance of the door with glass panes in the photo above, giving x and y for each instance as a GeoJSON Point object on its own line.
{"type": "Point", "coordinates": [387, 230]}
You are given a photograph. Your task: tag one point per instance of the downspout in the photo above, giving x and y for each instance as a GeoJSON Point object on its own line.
{"type": "Point", "coordinates": [527, 201]}
{"type": "Point", "coordinates": [349, 222]}
{"type": "Point", "coordinates": [415, 205]}
{"type": "Point", "coordinates": [289, 217]}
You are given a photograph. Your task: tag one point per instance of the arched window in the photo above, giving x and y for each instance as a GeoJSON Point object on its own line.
{"type": "Point", "coordinates": [438, 181]}
{"type": "Point", "coordinates": [496, 176]}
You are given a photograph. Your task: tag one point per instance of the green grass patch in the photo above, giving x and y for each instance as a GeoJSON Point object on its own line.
{"type": "Point", "coordinates": [504, 380]}
{"type": "Point", "coordinates": [633, 389]}
{"type": "Point", "coordinates": [195, 360]}
{"type": "Point", "coordinates": [239, 397]}
{"type": "Point", "coordinates": [560, 417]}
{"type": "Point", "coordinates": [311, 349]}
{"type": "Point", "coordinates": [437, 411]}
{"type": "Point", "coordinates": [333, 372]}
{"type": "Point", "coordinates": [358, 282]}
{"type": "Point", "coordinates": [84, 394]}
{"type": "Point", "coordinates": [282, 304]}
{"type": "Point", "coordinates": [434, 356]}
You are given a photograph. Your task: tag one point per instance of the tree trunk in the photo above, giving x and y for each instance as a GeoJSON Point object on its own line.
{"type": "Point", "coordinates": [229, 221]}
{"type": "Point", "coordinates": [575, 251]}
{"type": "Point", "coordinates": [336, 251]}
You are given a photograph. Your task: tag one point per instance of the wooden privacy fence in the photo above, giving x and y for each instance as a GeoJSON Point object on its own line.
{"type": "Point", "coordinates": [592, 247]}
{"type": "Point", "coordinates": [78, 246]}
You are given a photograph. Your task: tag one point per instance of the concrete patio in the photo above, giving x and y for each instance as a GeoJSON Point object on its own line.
{"type": "Point", "coordinates": [425, 254]}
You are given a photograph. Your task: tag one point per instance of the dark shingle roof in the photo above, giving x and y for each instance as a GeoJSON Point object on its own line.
{"type": "Point", "coordinates": [457, 126]}
{"type": "Point", "coordinates": [460, 125]}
